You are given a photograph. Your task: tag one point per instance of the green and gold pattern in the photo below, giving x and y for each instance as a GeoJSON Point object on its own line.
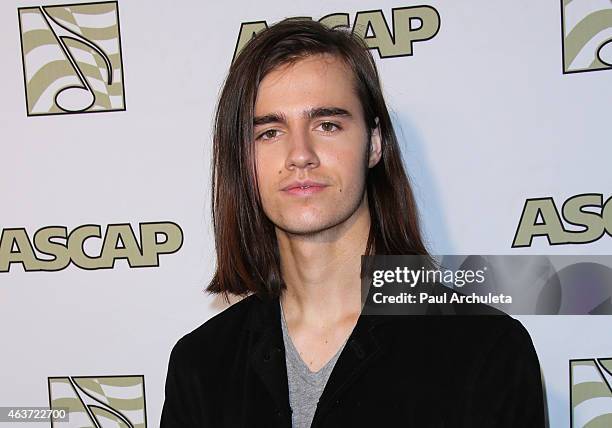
{"type": "Point", "coordinates": [95, 402]}
{"type": "Point", "coordinates": [591, 393]}
{"type": "Point", "coordinates": [587, 35]}
{"type": "Point", "coordinates": [72, 58]}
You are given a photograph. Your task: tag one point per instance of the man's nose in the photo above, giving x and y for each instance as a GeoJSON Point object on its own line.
{"type": "Point", "coordinates": [302, 153]}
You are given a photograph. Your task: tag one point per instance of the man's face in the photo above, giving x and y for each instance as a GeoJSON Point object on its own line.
{"type": "Point", "coordinates": [309, 126]}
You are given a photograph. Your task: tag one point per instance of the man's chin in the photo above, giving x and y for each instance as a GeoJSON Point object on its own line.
{"type": "Point", "coordinates": [306, 229]}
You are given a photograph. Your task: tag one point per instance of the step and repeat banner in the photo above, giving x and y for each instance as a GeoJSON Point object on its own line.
{"type": "Point", "coordinates": [106, 246]}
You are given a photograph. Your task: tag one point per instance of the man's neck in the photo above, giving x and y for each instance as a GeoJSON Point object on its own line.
{"type": "Point", "coordinates": [322, 271]}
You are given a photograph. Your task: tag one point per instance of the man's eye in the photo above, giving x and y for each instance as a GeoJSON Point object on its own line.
{"type": "Point", "coordinates": [329, 127]}
{"type": "Point", "coordinates": [268, 135]}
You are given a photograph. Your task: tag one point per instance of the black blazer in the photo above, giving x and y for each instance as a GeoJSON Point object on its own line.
{"type": "Point", "coordinates": [394, 371]}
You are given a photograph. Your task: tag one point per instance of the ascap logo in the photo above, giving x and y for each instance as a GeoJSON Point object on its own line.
{"type": "Point", "coordinates": [72, 58]}
{"type": "Point", "coordinates": [100, 401]}
{"type": "Point", "coordinates": [594, 225]}
{"type": "Point", "coordinates": [586, 27]}
{"type": "Point", "coordinates": [591, 393]}
{"type": "Point", "coordinates": [118, 242]}
{"type": "Point", "coordinates": [409, 24]}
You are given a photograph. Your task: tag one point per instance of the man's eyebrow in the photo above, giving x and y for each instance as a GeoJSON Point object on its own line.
{"type": "Point", "coordinates": [312, 113]}
{"type": "Point", "coordinates": [327, 111]}
{"type": "Point", "coordinates": [269, 118]}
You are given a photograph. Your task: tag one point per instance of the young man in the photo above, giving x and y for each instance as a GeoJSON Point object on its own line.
{"type": "Point", "coordinates": [307, 177]}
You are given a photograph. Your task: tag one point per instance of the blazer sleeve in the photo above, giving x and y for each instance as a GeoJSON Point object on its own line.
{"type": "Point", "coordinates": [177, 410]}
{"type": "Point", "coordinates": [506, 388]}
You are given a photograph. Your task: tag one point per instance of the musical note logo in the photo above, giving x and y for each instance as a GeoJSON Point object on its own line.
{"type": "Point", "coordinates": [72, 58]}
{"type": "Point", "coordinates": [587, 35]}
{"type": "Point", "coordinates": [591, 392]}
{"type": "Point", "coordinates": [99, 401]}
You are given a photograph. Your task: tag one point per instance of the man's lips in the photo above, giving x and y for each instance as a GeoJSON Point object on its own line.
{"type": "Point", "coordinates": [305, 191]}
{"type": "Point", "coordinates": [303, 185]}
{"type": "Point", "coordinates": [304, 188]}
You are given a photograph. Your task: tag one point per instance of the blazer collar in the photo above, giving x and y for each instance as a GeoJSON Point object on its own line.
{"type": "Point", "coordinates": [366, 342]}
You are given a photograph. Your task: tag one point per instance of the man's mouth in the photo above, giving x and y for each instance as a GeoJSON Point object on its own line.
{"type": "Point", "coordinates": [305, 190]}
{"type": "Point", "coordinates": [303, 185]}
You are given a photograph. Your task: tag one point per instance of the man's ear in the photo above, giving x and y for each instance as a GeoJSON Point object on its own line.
{"type": "Point", "coordinates": [375, 152]}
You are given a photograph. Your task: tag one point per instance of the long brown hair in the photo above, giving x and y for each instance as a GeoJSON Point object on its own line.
{"type": "Point", "coordinates": [247, 251]}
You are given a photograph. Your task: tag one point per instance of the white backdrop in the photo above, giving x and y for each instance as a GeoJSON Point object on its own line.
{"type": "Point", "coordinates": [486, 116]}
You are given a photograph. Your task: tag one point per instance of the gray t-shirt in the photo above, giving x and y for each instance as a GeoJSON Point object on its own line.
{"type": "Point", "coordinates": [305, 387]}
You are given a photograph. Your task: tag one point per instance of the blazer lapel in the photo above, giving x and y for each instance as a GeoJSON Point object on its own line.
{"type": "Point", "coordinates": [268, 356]}
{"type": "Point", "coordinates": [365, 344]}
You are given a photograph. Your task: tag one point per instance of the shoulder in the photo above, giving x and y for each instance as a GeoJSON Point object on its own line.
{"type": "Point", "coordinates": [492, 334]}
{"type": "Point", "coordinates": [488, 328]}
{"type": "Point", "coordinates": [218, 332]}
{"type": "Point", "coordinates": [505, 375]}
{"type": "Point", "coordinates": [481, 322]}
{"type": "Point", "coordinates": [482, 341]}
{"type": "Point", "coordinates": [454, 314]}
{"type": "Point", "coordinates": [471, 334]}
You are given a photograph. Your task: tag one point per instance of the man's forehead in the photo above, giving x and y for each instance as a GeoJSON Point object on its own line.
{"type": "Point", "coordinates": [305, 70]}
{"type": "Point", "coordinates": [309, 83]}
{"type": "Point", "coordinates": [321, 60]}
